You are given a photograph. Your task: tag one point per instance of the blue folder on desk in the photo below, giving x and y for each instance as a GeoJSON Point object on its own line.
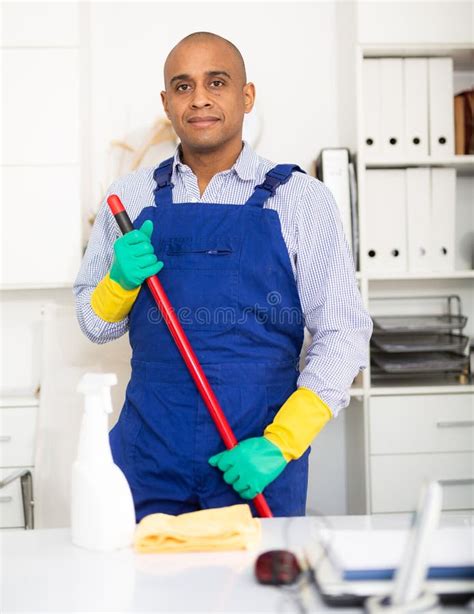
{"type": "Point", "coordinates": [463, 572]}
{"type": "Point", "coordinates": [375, 554]}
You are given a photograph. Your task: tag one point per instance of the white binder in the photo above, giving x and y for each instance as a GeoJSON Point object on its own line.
{"type": "Point", "coordinates": [416, 107]}
{"type": "Point", "coordinates": [418, 185]}
{"type": "Point", "coordinates": [335, 174]}
{"type": "Point", "coordinates": [441, 105]}
{"type": "Point", "coordinates": [443, 216]}
{"type": "Point", "coordinates": [391, 118]}
{"type": "Point", "coordinates": [386, 239]}
{"type": "Point", "coordinates": [371, 105]}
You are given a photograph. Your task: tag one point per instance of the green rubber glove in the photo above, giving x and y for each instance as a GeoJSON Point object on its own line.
{"type": "Point", "coordinates": [134, 259]}
{"type": "Point", "coordinates": [250, 466]}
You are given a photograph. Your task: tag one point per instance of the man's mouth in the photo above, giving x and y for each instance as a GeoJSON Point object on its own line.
{"type": "Point", "coordinates": [203, 122]}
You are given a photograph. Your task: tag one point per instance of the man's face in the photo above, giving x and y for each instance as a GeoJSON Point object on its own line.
{"type": "Point", "coordinates": [206, 96]}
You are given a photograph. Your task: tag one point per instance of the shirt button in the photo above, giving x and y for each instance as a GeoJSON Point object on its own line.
{"type": "Point", "coordinates": [194, 200]}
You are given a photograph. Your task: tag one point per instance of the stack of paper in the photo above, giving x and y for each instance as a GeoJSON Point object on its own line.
{"type": "Point", "coordinates": [336, 169]}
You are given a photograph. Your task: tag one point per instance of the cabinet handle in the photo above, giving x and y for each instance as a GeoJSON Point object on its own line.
{"type": "Point", "coordinates": [448, 425]}
{"type": "Point", "coordinates": [5, 438]}
{"type": "Point", "coordinates": [463, 482]}
{"type": "Point", "coordinates": [6, 499]}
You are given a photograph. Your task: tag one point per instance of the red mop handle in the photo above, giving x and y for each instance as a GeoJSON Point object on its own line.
{"type": "Point", "coordinates": [186, 351]}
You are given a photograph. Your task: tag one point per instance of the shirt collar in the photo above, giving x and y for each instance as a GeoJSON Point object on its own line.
{"type": "Point", "coordinates": [245, 166]}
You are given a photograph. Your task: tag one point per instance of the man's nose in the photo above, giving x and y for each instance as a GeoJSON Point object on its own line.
{"type": "Point", "coordinates": [201, 98]}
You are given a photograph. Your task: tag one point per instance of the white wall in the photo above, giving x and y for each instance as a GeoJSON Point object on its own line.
{"type": "Point", "coordinates": [415, 22]}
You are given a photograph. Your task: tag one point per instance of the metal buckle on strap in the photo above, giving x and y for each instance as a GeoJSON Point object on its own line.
{"type": "Point", "coordinates": [163, 184]}
{"type": "Point", "coordinates": [162, 176]}
{"type": "Point", "coordinates": [270, 184]}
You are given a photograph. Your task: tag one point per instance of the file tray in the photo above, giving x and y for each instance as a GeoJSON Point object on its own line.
{"type": "Point", "coordinates": [423, 342]}
{"type": "Point", "coordinates": [427, 378]}
{"type": "Point", "coordinates": [419, 323]}
{"type": "Point", "coordinates": [423, 362]}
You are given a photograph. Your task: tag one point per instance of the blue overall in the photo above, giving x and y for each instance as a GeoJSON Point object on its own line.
{"type": "Point", "coordinates": [228, 276]}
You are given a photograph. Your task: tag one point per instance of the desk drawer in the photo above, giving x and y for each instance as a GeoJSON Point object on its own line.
{"type": "Point", "coordinates": [17, 436]}
{"type": "Point", "coordinates": [11, 503]}
{"type": "Point", "coordinates": [396, 480]}
{"type": "Point", "coordinates": [422, 423]}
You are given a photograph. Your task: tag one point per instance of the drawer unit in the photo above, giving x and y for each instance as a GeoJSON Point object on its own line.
{"type": "Point", "coordinates": [18, 420]}
{"type": "Point", "coordinates": [422, 423]}
{"type": "Point", "coordinates": [396, 480]}
{"type": "Point", "coordinates": [17, 436]}
{"type": "Point", "coordinates": [11, 502]}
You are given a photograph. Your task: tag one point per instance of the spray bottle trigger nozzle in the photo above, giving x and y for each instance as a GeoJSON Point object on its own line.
{"type": "Point", "coordinates": [91, 383]}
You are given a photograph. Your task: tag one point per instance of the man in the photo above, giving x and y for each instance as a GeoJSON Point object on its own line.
{"type": "Point", "coordinates": [249, 255]}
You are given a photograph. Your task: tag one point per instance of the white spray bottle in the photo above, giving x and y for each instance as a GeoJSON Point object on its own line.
{"type": "Point", "coordinates": [102, 510]}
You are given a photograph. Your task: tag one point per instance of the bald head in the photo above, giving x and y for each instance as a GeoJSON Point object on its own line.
{"type": "Point", "coordinates": [196, 40]}
{"type": "Point", "coordinates": [207, 95]}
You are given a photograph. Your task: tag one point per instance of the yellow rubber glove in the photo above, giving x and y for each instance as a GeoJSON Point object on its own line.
{"type": "Point", "coordinates": [111, 302]}
{"type": "Point", "coordinates": [297, 423]}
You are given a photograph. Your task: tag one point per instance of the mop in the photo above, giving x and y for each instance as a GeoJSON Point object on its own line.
{"type": "Point", "coordinates": [186, 351]}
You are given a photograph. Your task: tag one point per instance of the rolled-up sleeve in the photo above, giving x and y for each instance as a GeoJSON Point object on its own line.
{"type": "Point", "coordinates": [95, 265]}
{"type": "Point", "coordinates": [332, 305]}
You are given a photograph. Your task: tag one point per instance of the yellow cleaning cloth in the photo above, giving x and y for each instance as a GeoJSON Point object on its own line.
{"type": "Point", "coordinates": [225, 528]}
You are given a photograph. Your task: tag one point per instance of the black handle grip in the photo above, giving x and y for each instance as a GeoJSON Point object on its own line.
{"type": "Point", "coordinates": [119, 213]}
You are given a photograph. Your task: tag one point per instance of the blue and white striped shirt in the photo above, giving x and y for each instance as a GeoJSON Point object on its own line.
{"type": "Point", "coordinates": [319, 254]}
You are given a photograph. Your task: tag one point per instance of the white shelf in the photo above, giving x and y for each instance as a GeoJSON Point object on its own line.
{"type": "Point", "coordinates": [462, 54]}
{"type": "Point", "coordinates": [406, 390]}
{"type": "Point", "coordinates": [463, 164]}
{"type": "Point", "coordinates": [22, 399]}
{"type": "Point", "coordinates": [468, 274]}
{"type": "Point", "coordinates": [57, 286]}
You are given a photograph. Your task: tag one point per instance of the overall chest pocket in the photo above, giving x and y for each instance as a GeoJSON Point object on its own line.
{"type": "Point", "coordinates": [201, 278]}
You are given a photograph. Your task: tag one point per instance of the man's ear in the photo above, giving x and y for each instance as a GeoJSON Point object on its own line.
{"type": "Point", "coordinates": [249, 97]}
{"type": "Point", "coordinates": [164, 101]}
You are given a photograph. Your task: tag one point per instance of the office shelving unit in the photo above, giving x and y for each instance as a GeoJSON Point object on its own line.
{"type": "Point", "coordinates": [385, 465]}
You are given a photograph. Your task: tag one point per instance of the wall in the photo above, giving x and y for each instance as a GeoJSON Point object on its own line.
{"type": "Point", "coordinates": [415, 22]}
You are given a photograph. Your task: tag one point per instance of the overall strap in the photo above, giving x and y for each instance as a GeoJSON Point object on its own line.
{"type": "Point", "coordinates": [277, 176]}
{"type": "Point", "coordinates": [162, 176]}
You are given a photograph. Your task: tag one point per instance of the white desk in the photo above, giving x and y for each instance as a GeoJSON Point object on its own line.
{"type": "Point", "coordinates": [41, 571]}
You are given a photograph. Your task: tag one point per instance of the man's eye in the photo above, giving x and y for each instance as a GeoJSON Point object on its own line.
{"type": "Point", "coordinates": [217, 83]}
{"type": "Point", "coordinates": [183, 87]}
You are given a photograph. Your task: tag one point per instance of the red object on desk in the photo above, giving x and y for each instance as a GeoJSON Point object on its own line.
{"type": "Point", "coordinates": [277, 567]}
